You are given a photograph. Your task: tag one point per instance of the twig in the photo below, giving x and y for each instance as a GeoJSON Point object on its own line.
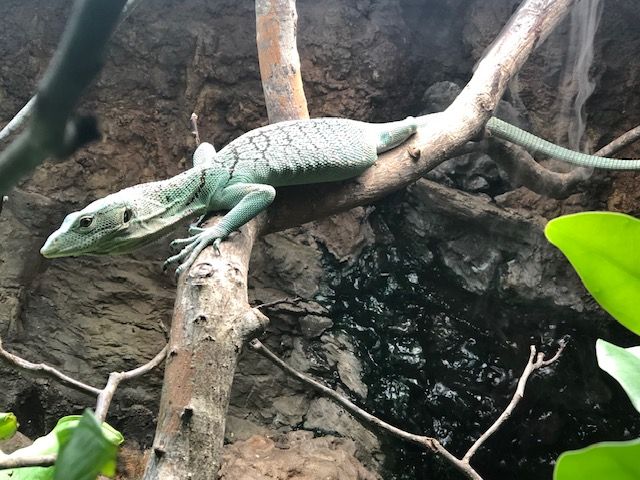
{"type": "Point", "coordinates": [425, 442]}
{"type": "Point", "coordinates": [106, 394]}
{"type": "Point", "coordinates": [194, 124]}
{"type": "Point", "coordinates": [16, 122]}
{"type": "Point", "coordinates": [536, 361]}
{"type": "Point", "coordinates": [47, 371]}
{"type": "Point", "coordinates": [27, 461]}
{"type": "Point", "coordinates": [278, 302]}
{"type": "Point", "coordinates": [54, 130]}
{"type": "Point", "coordinates": [619, 143]}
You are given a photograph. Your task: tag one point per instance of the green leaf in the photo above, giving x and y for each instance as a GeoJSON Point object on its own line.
{"type": "Point", "coordinates": [603, 248]}
{"type": "Point", "coordinates": [607, 460]}
{"type": "Point", "coordinates": [623, 364]}
{"type": "Point", "coordinates": [88, 452]}
{"type": "Point", "coordinates": [51, 443]}
{"type": "Point", "coordinates": [8, 425]}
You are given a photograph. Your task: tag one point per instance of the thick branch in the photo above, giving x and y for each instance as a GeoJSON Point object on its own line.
{"type": "Point", "coordinates": [448, 131]}
{"type": "Point", "coordinates": [523, 170]}
{"type": "Point", "coordinates": [211, 323]}
{"type": "Point", "coordinates": [53, 130]}
{"type": "Point", "coordinates": [279, 61]}
{"type": "Point", "coordinates": [212, 319]}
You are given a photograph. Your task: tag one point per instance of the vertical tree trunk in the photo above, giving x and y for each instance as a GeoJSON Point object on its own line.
{"type": "Point", "coordinates": [276, 22]}
{"type": "Point", "coordinates": [212, 319]}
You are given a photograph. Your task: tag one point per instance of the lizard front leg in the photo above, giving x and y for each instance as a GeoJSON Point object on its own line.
{"type": "Point", "coordinates": [246, 200]}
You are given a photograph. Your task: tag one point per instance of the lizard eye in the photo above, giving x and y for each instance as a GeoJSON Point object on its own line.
{"type": "Point", "coordinates": [127, 215]}
{"type": "Point", "coordinates": [85, 222]}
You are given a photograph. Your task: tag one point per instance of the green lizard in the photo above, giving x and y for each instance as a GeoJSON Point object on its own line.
{"type": "Point", "coordinates": [241, 178]}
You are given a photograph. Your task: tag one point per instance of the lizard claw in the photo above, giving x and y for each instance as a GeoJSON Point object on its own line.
{"type": "Point", "coordinates": [194, 229]}
{"type": "Point", "coordinates": [192, 247]}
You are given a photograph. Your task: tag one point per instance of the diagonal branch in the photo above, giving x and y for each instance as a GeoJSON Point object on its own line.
{"type": "Point", "coordinates": [54, 130]}
{"type": "Point", "coordinates": [436, 142]}
{"type": "Point", "coordinates": [23, 115]}
{"type": "Point", "coordinates": [536, 361]}
{"type": "Point", "coordinates": [48, 371]}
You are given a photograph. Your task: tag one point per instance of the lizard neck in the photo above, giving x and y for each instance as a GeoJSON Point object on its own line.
{"type": "Point", "coordinates": [160, 206]}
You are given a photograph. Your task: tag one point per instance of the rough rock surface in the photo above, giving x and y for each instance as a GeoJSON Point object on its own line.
{"type": "Point", "coordinates": [294, 455]}
{"type": "Point", "coordinates": [361, 59]}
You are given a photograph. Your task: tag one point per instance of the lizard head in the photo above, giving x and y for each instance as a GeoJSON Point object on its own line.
{"type": "Point", "coordinates": [102, 227]}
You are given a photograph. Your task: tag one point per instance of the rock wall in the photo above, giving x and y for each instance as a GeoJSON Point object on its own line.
{"type": "Point", "coordinates": [369, 60]}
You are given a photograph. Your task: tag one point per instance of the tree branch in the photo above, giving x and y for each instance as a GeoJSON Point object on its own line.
{"type": "Point", "coordinates": [212, 319]}
{"type": "Point", "coordinates": [523, 170]}
{"type": "Point", "coordinates": [276, 23]}
{"type": "Point", "coordinates": [448, 131]}
{"type": "Point", "coordinates": [10, 461]}
{"type": "Point", "coordinates": [106, 394]}
{"type": "Point", "coordinates": [619, 143]}
{"type": "Point", "coordinates": [463, 465]}
{"type": "Point", "coordinates": [47, 371]}
{"type": "Point", "coordinates": [23, 115]}
{"type": "Point", "coordinates": [53, 130]}
{"type": "Point", "coordinates": [536, 361]}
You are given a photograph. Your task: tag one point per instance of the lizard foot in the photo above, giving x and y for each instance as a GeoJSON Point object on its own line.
{"type": "Point", "coordinates": [194, 245]}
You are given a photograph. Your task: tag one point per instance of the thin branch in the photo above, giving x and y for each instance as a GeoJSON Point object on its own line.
{"type": "Point", "coordinates": [16, 122]}
{"type": "Point", "coordinates": [278, 302]}
{"type": "Point", "coordinates": [54, 130]}
{"type": "Point", "coordinates": [106, 395]}
{"type": "Point", "coordinates": [23, 115]}
{"type": "Point", "coordinates": [48, 371]}
{"type": "Point", "coordinates": [619, 143]}
{"type": "Point", "coordinates": [425, 442]}
{"type": "Point", "coordinates": [536, 361]}
{"type": "Point", "coordinates": [11, 461]}
{"type": "Point", "coordinates": [194, 125]}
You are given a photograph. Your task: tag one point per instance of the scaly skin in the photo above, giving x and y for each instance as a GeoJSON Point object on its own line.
{"type": "Point", "coordinates": [241, 178]}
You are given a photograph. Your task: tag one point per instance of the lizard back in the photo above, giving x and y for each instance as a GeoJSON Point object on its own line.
{"type": "Point", "coordinates": [300, 151]}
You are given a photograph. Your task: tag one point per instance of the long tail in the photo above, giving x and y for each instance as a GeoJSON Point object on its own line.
{"type": "Point", "coordinates": [534, 145]}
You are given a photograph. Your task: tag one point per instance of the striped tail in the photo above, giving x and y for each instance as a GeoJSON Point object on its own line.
{"type": "Point", "coordinates": [534, 145]}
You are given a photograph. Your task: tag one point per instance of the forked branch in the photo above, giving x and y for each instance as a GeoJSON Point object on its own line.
{"type": "Point", "coordinates": [535, 362]}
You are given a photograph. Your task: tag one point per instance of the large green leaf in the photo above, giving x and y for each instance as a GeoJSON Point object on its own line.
{"type": "Point", "coordinates": [604, 248]}
{"type": "Point", "coordinates": [8, 425]}
{"type": "Point", "coordinates": [50, 444]}
{"type": "Point", "coordinates": [602, 461]}
{"type": "Point", "coordinates": [88, 452]}
{"type": "Point", "coordinates": [623, 364]}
